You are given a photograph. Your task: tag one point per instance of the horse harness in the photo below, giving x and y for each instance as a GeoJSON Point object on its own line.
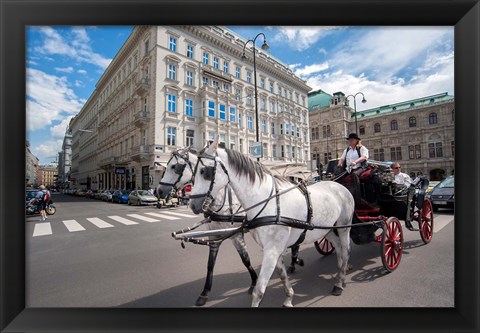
{"type": "Point", "coordinates": [178, 168]}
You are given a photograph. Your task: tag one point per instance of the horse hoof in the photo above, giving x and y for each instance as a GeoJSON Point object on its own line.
{"type": "Point", "coordinates": [201, 300]}
{"type": "Point", "coordinates": [291, 269]}
{"type": "Point", "coordinates": [250, 290]}
{"type": "Point", "coordinates": [349, 267]}
{"type": "Point", "coordinates": [337, 291]}
{"type": "Point", "coordinates": [301, 263]}
{"type": "Point", "coordinates": [287, 306]}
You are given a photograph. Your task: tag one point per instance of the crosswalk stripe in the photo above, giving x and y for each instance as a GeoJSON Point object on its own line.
{"type": "Point", "coordinates": [178, 214]}
{"type": "Point", "coordinates": [73, 225]}
{"type": "Point", "coordinates": [440, 221]}
{"type": "Point", "coordinates": [99, 223]}
{"type": "Point", "coordinates": [144, 218]}
{"type": "Point", "coordinates": [122, 220]}
{"type": "Point", "coordinates": [164, 216]}
{"type": "Point", "coordinates": [42, 229]}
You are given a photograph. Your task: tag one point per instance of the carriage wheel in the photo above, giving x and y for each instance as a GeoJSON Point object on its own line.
{"type": "Point", "coordinates": [392, 244]}
{"type": "Point", "coordinates": [426, 223]}
{"type": "Point", "coordinates": [324, 246]}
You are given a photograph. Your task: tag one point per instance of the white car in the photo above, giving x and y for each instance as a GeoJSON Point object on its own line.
{"type": "Point", "coordinates": [141, 197]}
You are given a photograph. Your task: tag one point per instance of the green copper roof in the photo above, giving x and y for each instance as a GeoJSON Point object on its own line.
{"type": "Point", "coordinates": [318, 99]}
{"type": "Point", "coordinates": [414, 103]}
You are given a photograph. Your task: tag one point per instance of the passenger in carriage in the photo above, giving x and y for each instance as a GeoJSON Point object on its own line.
{"type": "Point", "coordinates": [401, 178]}
{"type": "Point", "coordinates": [403, 182]}
{"type": "Point", "coordinates": [354, 156]}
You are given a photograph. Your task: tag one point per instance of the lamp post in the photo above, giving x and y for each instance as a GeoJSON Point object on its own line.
{"type": "Point", "coordinates": [355, 106]}
{"type": "Point", "coordinates": [264, 47]}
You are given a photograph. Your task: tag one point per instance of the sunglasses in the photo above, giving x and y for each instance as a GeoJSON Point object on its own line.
{"type": "Point", "coordinates": [396, 168]}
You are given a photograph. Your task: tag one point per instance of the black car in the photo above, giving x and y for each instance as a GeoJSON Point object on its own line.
{"type": "Point", "coordinates": [443, 195]}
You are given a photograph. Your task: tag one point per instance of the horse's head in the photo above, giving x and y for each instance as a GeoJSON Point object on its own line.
{"type": "Point", "coordinates": [179, 171]}
{"type": "Point", "coordinates": [210, 176]}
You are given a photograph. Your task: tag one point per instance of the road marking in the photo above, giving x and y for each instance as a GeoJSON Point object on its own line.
{"type": "Point", "coordinates": [144, 218]}
{"type": "Point", "coordinates": [73, 225]}
{"type": "Point", "coordinates": [179, 214]}
{"type": "Point", "coordinates": [164, 216]}
{"type": "Point", "coordinates": [122, 220]}
{"type": "Point", "coordinates": [441, 221]}
{"type": "Point", "coordinates": [99, 223]}
{"type": "Point", "coordinates": [42, 229]}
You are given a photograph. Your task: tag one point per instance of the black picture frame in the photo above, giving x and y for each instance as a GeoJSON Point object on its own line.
{"type": "Point", "coordinates": [16, 15]}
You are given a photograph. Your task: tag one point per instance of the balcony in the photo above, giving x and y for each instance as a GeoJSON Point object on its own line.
{"type": "Point", "coordinates": [142, 86]}
{"type": "Point", "coordinates": [141, 118]}
{"type": "Point", "coordinates": [107, 163]}
{"type": "Point", "coordinates": [141, 153]}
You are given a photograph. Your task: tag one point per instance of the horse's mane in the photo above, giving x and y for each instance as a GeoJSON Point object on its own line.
{"type": "Point", "coordinates": [244, 165]}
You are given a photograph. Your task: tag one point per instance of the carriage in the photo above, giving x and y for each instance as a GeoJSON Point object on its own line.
{"type": "Point", "coordinates": [383, 204]}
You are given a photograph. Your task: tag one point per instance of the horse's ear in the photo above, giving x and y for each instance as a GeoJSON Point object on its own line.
{"type": "Point", "coordinates": [213, 146]}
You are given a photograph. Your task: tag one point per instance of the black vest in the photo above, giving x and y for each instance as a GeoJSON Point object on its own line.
{"type": "Point", "coordinates": [363, 164]}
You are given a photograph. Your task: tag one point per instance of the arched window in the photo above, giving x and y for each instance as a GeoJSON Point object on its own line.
{"type": "Point", "coordinates": [394, 125]}
{"type": "Point", "coordinates": [362, 130]}
{"type": "Point", "coordinates": [432, 118]}
{"type": "Point", "coordinates": [412, 122]}
{"type": "Point", "coordinates": [377, 128]}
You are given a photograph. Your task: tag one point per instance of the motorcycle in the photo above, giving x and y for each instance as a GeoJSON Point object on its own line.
{"type": "Point", "coordinates": [31, 207]}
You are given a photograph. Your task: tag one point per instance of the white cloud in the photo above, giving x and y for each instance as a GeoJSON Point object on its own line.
{"type": "Point", "coordinates": [293, 66]}
{"type": "Point", "coordinates": [64, 70]}
{"type": "Point", "coordinates": [311, 69]}
{"type": "Point", "coordinates": [47, 151]}
{"type": "Point", "coordinates": [301, 38]}
{"type": "Point", "coordinates": [76, 46]}
{"type": "Point", "coordinates": [49, 98]}
{"type": "Point", "coordinates": [322, 51]}
{"type": "Point", "coordinates": [58, 131]}
{"type": "Point", "coordinates": [79, 83]}
{"type": "Point", "coordinates": [82, 71]}
{"type": "Point", "coordinates": [31, 62]}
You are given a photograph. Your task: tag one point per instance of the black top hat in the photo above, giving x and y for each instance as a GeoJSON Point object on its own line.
{"type": "Point", "coordinates": [353, 136]}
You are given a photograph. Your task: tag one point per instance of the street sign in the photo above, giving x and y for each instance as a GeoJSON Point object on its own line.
{"type": "Point", "coordinates": [256, 150]}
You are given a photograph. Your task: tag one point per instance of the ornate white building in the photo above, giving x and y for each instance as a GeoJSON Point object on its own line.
{"type": "Point", "coordinates": [170, 87]}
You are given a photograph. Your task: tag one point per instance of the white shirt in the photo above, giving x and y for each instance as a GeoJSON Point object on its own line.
{"type": "Point", "coordinates": [352, 155]}
{"type": "Point", "coordinates": [402, 179]}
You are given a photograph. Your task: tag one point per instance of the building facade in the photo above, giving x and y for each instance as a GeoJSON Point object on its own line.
{"type": "Point", "coordinates": [46, 175]}
{"type": "Point", "coordinates": [65, 161]}
{"type": "Point", "coordinates": [31, 167]}
{"type": "Point", "coordinates": [419, 134]}
{"type": "Point", "coordinates": [170, 87]}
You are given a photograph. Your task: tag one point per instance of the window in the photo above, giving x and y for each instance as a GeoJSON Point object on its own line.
{"type": "Point", "coordinates": [327, 157]}
{"type": "Point", "coordinates": [262, 83]}
{"type": "Point", "coordinates": [233, 141]}
{"type": "Point", "coordinates": [173, 44]}
{"type": "Point", "coordinates": [281, 128]}
{"type": "Point", "coordinates": [274, 151]}
{"type": "Point", "coordinates": [361, 129]}
{"type": "Point", "coordinates": [326, 131]}
{"type": "Point", "coordinates": [293, 152]}
{"type": "Point", "coordinates": [238, 94]}
{"type": "Point", "coordinates": [315, 133]}
{"type": "Point", "coordinates": [215, 83]}
{"type": "Point", "coordinates": [226, 87]}
{"type": "Point", "coordinates": [206, 58]}
{"type": "Point", "coordinates": [189, 78]}
{"type": "Point", "coordinates": [222, 140]}
{"type": "Point", "coordinates": [414, 152]}
{"type": "Point", "coordinates": [249, 77]}
{"type": "Point", "coordinates": [222, 111]}
{"type": "Point", "coordinates": [172, 103]}
{"type": "Point", "coordinates": [147, 46]}
{"type": "Point", "coordinates": [287, 128]}
{"type": "Point", "coordinates": [272, 128]}
{"type": "Point", "coordinates": [435, 150]}
{"type": "Point", "coordinates": [298, 132]}
{"type": "Point", "coordinates": [240, 143]}
{"type": "Point", "coordinates": [378, 154]}
{"type": "Point", "coordinates": [432, 118]}
{"type": "Point", "coordinates": [172, 72]}
{"type": "Point", "coordinates": [412, 122]}
{"type": "Point", "coordinates": [240, 124]}
{"type": "Point", "coordinates": [215, 62]}
{"type": "Point", "coordinates": [264, 126]}
{"type": "Point", "coordinates": [263, 103]}
{"type": "Point", "coordinates": [453, 148]}
{"type": "Point", "coordinates": [249, 122]}
{"type": "Point", "coordinates": [211, 109]}
{"type": "Point", "coordinates": [189, 137]}
{"type": "Point", "coordinates": [205, 81]}
{"type": "Point", "coordinates": [271, 87]}
{"type": "Point", "coordinates": [225, 66]}
{"type": "Point", "coordinates": [233, 113]}
{"type": "Point", "coordinates": [393, 125]}
{"type": "Point", "coordinates": [189, 107]}
{"type": "Point", "coordinates": [282, 151]}
{"type": "Point", "coordinates": [237, 72]}
{"type": "Point", "coordinates": [377, 127]}
{"type": "Point", "coordinates": [249, 99]}
{"type": "Point", "coordinates": [293, 130]}
{"type": "Point", "coordinates": [272, 107]}
{"type": "Point", "coordinates": [190, 51]}
{"type": "Point", "coordinates": [396, 153]}
{"type": "Point", "coordinates": [171, 136]}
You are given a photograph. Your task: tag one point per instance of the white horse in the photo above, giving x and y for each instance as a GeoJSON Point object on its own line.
{"type": "Point", "coordinates": [179, 171]}
{"type": "Point", "coordinates": [331, 205]}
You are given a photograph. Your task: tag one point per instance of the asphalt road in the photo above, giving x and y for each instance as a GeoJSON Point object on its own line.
{"type": "Point", "coordinates": [97, 254]}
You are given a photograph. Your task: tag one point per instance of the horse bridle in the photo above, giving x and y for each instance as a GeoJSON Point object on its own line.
{"type": "Point", "coordinates": [208, 173]}
{"type": "Point", "coordinates": [178, 168]}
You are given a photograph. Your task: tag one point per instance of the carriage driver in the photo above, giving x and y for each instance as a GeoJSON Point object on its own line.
{"type": "Point", "coordinates": [355, 155]}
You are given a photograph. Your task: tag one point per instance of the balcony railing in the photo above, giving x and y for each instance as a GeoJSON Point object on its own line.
{"type": "Point", "coordinates": [142, 86]}
{"type": "Point", "coordinates": [141, 152]}
{"type": "Point", "coordinates": [141, 118]}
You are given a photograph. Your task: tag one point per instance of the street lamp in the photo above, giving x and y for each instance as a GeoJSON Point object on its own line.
{"type": "Point", "coordinates": [355, 106]}
{"type": "Point", "coordinates": [244, 58]}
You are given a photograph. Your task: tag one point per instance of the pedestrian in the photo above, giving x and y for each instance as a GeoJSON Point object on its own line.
{"type": "Point", "coordinates": [354, 156]}
{"type": "Point", "coordinates": [43, 196]}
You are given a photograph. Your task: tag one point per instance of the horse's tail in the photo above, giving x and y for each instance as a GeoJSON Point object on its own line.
{"type": "Point", "coordinates": [361, 234]}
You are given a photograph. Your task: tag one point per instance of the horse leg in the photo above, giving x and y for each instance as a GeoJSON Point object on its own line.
{"type": "Point", "coordinates": [343, 254]}
{"type": "Point", "coordinates": [295, 259]}
{"type": "Point", "coordinates": [241, 246]}
{"type": "Point", "coordinates": [286, 282]}
{"type": "Point", "coordinates": [212, 257]}
{"type": "Point", "coordinates": [270, 259]}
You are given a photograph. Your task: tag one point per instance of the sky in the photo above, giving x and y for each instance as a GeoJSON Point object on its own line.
{"type": "Point", "coordinates": [387, 64]}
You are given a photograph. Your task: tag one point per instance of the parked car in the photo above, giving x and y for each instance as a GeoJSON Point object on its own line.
{"type": "Point", "coordinates": [90, 194]}
{"type": "Point", "coordinates": [30, 194]}
{"type": "Point", "coordinates": [443, 195]}
{"type": "Point", "coordinates": [141, 197]}
{"type": "Point", "coordinates": [106, 195]}
{"type": "Point", "coordinates": [98, 195]}
{"type": "Point", "coordinates": [80, 193]}
{"type": "Point", "coordinates": [120, 196]}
